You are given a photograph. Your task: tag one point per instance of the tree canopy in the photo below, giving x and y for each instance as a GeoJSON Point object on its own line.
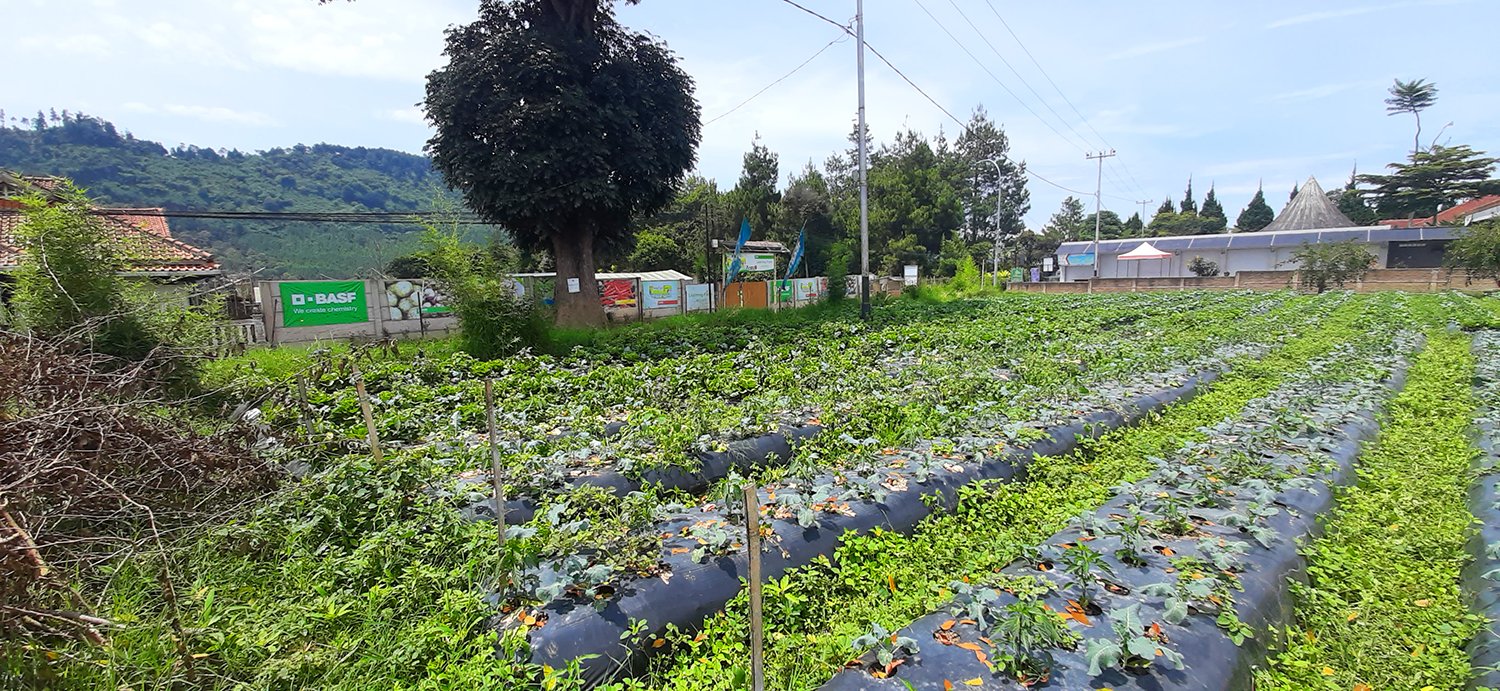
{"type": "Point", "coordinates": [1257, 213]}
{"type": "Point", "coordinates": [1431, 180]}
{"type": "Point", "coordinates": [561, 125]}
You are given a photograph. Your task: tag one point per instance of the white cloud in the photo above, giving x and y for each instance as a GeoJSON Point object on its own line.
{"type": "Point", "coordinates": [90, 45]}
{"type": "Point", "coordinates": [1324, 15]}
{"type": "Point", "coordinates": [218, 114]}
{"type": "Point", "coordinates": [377, 39]}
{"type": "Point", "coordinates": [413, 114]}
{"type": "Point", "coordinates": [1149, 48]}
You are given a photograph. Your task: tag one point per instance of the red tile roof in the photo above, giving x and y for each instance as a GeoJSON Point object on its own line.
{"type": "Point", "coordinates": [1450, 216]}
{"type": "Point", "coordinates": [142, 236]}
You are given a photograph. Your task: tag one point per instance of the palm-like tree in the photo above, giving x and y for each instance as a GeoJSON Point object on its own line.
{"type": "Point", "coordinates": [1412, 97]}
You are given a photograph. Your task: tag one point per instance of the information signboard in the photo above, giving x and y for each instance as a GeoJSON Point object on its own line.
{"type": "Point", "coordinates": [320, 303]}
{"type": "Point", "coordinates": [661, 294]}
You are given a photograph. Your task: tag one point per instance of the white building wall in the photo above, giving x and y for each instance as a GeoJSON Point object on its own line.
{"type": "Point", "coordinates": [1231, 262]}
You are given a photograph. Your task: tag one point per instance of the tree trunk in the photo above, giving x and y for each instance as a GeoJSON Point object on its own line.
{"type": "Point", "coordinates": [573, 253]}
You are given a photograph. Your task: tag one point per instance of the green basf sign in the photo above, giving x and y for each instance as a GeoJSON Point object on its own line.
{"type": "Point", "coordinates": [318, 303]}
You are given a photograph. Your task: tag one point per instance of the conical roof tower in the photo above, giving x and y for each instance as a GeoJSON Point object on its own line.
{"type": "Point", "coordinates": [1310, 210]}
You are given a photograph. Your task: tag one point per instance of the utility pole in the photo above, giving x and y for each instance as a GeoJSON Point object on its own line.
{"type": "Point", "coordinates": [864, 166]}
{"type": "Point", "coordinates": [1098, 190]}
{"type": "Point", "coordinates": [1143, 203]}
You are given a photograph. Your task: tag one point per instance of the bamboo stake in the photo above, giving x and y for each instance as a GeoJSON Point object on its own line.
{"type": "Point", "coordinates": [364, 407]}
{"type": "Point", "coordinates": [489, 413]}
{"type": "Point", "coordinates": [757, 634]}
{"type": "Point", "coordinates": [306, 407]}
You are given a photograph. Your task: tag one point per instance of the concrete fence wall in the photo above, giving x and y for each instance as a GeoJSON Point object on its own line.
{"type": "Point", "coordinates": [1410, 280]}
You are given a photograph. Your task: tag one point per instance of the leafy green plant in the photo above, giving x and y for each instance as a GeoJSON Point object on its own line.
{"type": "Point", "coordinates": [1331, 263]}
{"type": "Point", "coordinates": [1135, 644]}
{"type": "Point", "coordinates": [1087, 569]}
{"type": "Point", "coordinates": [890, 649]}
{"type": "Point", "coordinates": [1022, 640]}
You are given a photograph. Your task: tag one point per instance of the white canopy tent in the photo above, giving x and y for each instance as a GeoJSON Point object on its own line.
{"type": "Point", "coordinates": [1143, 251]}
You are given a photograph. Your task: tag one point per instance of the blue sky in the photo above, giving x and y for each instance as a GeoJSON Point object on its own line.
{"type": "Point", "coordinates": [1229, 93]}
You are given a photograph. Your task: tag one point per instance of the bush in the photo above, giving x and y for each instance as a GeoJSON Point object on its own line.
{"type": "Point", "coordinates": [496, 322]}
{"type": "Point", "coordinates": [1332, 263]}
{"type": "Point", "coordinates": [840, 255]}
{"type": "Point", "coordinates": [1477, 251]}
{"type": "Point", "coordinates": [1203, 267]}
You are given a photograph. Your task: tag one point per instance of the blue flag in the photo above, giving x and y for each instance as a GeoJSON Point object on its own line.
{"type": "Point", "coordinates": [734, 266]}
{"type": "Point", "coordinates": [797, 253]}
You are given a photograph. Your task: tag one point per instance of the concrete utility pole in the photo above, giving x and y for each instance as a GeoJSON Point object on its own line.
{"type": "Point", "coordinates": [995, 254]}
{"type": "Point", "coordinates": [864, 166]}
{"type": "Point", "coordinates": [1098, 190]}
{"type": "Point", "coordinates": [1143, 203]}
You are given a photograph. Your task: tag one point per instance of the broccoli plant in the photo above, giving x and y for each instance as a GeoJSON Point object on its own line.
{"type": "Point", "coordinates": [1135, 645]}
{"type": "Point", "coordinates": [890, 649]}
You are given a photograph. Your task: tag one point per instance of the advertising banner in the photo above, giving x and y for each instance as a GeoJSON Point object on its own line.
{"type": "Point", "coordinates": [1084, 259]}
{"type": "Point", "coordinates": [319, 303]}
{"type": "Point", "coordinates": [809, 289]}
{"type": "Point", "coordinates": [1017, 275]}
{"type": "Point", "coordinates": [783, 291]}
{"type": "Point", "coordinates": [406, 299]}
{"type": "Point", "coordinates": [661, 294]}
{"type": "Point", "coordinates": [753, 262]}
{"type": "Point", "coordinates": [617, 293]}
{"type": "Point", "coordinates": [699, 297]}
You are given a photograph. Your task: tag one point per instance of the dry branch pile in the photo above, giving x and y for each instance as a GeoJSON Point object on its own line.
{"type": "Point", "coordinates": [90, 469]}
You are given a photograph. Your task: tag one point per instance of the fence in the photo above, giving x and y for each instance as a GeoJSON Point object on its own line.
{"type": "Point", "coordinates": [1409, 280]}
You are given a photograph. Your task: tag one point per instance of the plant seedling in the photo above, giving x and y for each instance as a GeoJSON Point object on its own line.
{"type": "Point", "coordinates": [1085, 565]}
{"type": "Point", "coordinates": [890, 650]}
{"type": "Point", "coordinates": [1135, 645]}
{"type": "Point", "coordinates": [1023, 637]}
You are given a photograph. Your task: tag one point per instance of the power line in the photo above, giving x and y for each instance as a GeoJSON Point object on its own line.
{"type": "Point", "coordinates": [996, 79]}
{"type": "Point", "coordinates": [841, 38]}
{"type": "Point", "coordinates": [1059, 91]}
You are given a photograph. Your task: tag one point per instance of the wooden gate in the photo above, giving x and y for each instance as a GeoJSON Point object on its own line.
{"type": "Point", "coordinates": [748, 294]}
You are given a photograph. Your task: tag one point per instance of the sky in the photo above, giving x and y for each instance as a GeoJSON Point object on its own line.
{"type": "Point", "coordinates": [1230, 94]}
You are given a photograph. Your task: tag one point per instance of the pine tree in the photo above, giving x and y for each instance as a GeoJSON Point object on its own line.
{"type": "Point", "coordinates": [1067, 223]}
{"type": "Point", "coordinates": [1134, 226]}
{"type": "Point", "coordinates": [1166, 208]}
{"type": "Point", "coordinates": [1257, 213]}
{"type": "Point", "coordinates": [1293, 195]}
{"type": "Point", "coordinates": [1214, 220]}
{"type": "Point", "coordinates": [1188, 205]}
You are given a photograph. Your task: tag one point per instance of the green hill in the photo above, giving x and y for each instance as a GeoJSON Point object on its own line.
{"type": "Point", "coordinates": [118, 169]}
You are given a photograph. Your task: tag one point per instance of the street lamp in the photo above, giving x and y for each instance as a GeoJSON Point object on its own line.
{"type": "Point", "coordinates": [995, 247]}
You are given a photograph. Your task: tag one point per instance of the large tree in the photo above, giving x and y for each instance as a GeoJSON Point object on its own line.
{"type": "Point", "coordinates": [1067, 223]}
{"type": "Point", "coordinates": [1412, 97]}
{"type": "Point", "coordinates": [1432, 180]}
{"type": "Point", "coordinates": [1214, 220]}
{"type": "Point", "coordinates": [755, 196]}
{"type": "Point", "coordinates": [559, 124]}
{"type": "Point", "coordinates": [1257, 214]}
{"type": "Point", "coordinates": [981, 142]}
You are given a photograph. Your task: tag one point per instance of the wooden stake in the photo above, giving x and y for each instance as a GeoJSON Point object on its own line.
{"type": "Point", "coordinates": [757, 635]}
{"type": "Point", "coordinates": [364, 407]}
{"type": "Point", "coordinates": [306, 407]}
{"type": "Point", "coordinates": [489, 413]}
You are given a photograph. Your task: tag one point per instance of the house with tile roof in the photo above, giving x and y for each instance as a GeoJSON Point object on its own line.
{"type": "Point", "coordinates": [142, 235]}
{"type": "Point", "coordinates": [1472, 211]}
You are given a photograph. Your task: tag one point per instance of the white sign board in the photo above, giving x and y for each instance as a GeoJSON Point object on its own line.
{"type": "Point", "coordinates": [909, 274]}
{"type": "Point", "coordinates": [808, 289]}
{"type": "Point", "coordinates": [573, 285]}
{"type": "Point", "coordinates": [699, 297]}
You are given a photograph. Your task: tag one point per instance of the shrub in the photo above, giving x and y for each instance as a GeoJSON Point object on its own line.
{"type": "Point", "coordinates": [496, 321]}
{"type": "Point", "coordinates": [1203, 267]}
{"type": "Point", "coordinates": [1477, 251]}
{"type": "Point", "coordinates": [1333, 263]}
{"type": "Point", "coordinates": [840, 255]}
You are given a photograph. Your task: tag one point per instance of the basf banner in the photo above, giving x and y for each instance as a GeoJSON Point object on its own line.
{"type": "Point", "coordinates": [319, 303]}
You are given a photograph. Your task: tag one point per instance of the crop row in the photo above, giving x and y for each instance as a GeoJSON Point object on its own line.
{"type": "Point", "coordinates": [1184, 566]}
{"type": "Point", "coordinates": [1481, 579]}
{"type": "Point", "coordinates": [888, 579]}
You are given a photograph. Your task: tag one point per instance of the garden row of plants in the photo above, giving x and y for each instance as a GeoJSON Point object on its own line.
{"type": "Point", "coordinates": [1381, 608]}
{"type": "Point", "coordinates": [1166, 585]}
{"type": "Point", "coordinates": [1481, 578]}
{"type": "Point", "coordinates": [889, 579]}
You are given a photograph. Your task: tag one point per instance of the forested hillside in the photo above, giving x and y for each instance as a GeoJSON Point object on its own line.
{"type": "Point", "coordinates": [117, 168]}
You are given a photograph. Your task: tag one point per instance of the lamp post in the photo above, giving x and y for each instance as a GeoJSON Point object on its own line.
{"type": "Point", "coordinates": [995, 247]}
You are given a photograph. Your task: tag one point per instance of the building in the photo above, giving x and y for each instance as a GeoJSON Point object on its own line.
{"type": "Point", "coordinates": [142, 234]}
{"type": "Point", "coordinates": [1472, 211]}
{"type": "Point", "coordinates": [1309, 218]}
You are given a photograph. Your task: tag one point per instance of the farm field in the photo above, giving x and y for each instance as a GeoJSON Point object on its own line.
{"type": "Point", "coordinates": [935, 487]}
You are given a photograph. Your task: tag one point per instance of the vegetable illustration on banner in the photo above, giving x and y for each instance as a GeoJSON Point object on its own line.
{"type": "Point", "coordinates": [617, 292]}
{"type": "Point", "coordinates": [660, 294]}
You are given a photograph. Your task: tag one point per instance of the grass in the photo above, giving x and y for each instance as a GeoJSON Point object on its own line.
{"type": "Point", "coordinates": [889, 579]}
{"type": "Point", "coordinates": [1382, 608]}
